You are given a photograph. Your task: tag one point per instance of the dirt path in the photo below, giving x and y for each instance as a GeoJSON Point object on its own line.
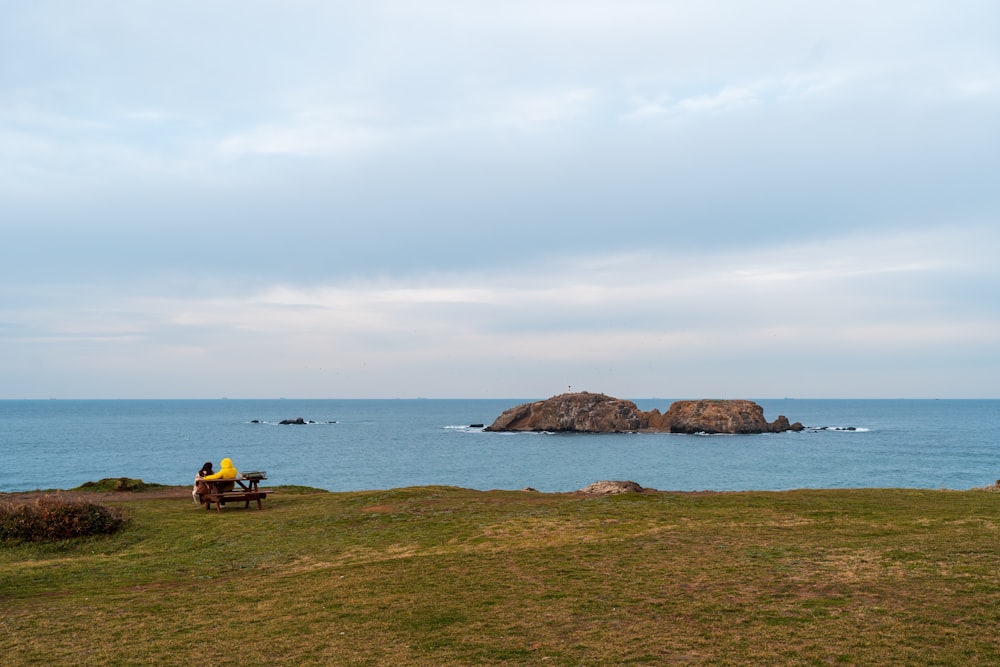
{"type": "Point", "coordinates": [156, 493]}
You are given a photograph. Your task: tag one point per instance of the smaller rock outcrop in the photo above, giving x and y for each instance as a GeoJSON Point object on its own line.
{"type": "Point", "coordinates": [608, 488]}
{"type": "Point", "coordinates": [718, 416]}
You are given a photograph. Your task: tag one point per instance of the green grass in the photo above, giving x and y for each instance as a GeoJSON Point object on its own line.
{"type": "Point", "coordinates": [447, 576]}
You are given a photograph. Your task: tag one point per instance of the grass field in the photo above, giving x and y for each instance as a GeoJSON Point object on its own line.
{"type": "Point", "coordinates": [448, 576]}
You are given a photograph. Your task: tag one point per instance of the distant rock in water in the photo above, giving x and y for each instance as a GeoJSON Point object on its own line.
{"type": "Point", "coordinates": [297, 420]}
{"type": "Point", "coordinates": [584, 412]}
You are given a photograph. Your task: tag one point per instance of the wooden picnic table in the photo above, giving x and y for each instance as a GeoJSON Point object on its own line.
{"type": "Point", "coordinates": [220, 491]}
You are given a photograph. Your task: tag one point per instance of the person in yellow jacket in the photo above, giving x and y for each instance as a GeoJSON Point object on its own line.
{"type": "Point", "coordinates": [226, 471]}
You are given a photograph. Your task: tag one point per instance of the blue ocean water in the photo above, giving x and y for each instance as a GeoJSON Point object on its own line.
{"type": "Point", "coordinates": [381, 444]}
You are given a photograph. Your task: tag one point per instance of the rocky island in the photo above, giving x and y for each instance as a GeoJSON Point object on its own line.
{"type": "Point", "coordinates": [584, 412]}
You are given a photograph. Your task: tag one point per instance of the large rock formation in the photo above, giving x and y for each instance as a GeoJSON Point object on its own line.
{"type": "Point", "coordinates": [596, 413]}
{"type": "Point", "coordinates": [581, 412]}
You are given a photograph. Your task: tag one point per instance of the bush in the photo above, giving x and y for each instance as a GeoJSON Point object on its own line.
{"type": "Point", "coordinates": [53, 518]}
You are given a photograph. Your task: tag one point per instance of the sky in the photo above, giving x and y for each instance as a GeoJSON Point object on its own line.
{"type": "Point", "coordinates": [470, 199]}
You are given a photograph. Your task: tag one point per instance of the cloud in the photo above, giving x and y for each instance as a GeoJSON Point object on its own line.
{"type": "Point", "coordinates": [978, 84]}
{"type": "Point", "coordinates": [771, 94]}
{"type": "Point", "coordinates": [317, 132]}
{"type": "Point", "coordinates": [544, 109]}
{"type": "Point", "coordinates": [844, 302]}
{"type": "Point", "coordinates": [725, 100]}
{"type": "Point", "coordinates": [625, 190]}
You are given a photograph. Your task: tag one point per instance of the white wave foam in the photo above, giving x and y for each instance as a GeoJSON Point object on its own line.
{"type": "Point", "coordinates": [845, 429]}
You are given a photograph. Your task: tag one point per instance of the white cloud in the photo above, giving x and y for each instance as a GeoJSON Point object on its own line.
{"type": "Point", "coordinates": [771, 93]}
{"type": "Point", "coordinates": [833, 299]}
{"type": "Point", "coordinates": [978, 84]}
{"type": "Point", "coordinates": [724, 101]}
{"type": "Point", "coordinates": [318, 132]}
{"type": "Point", "coordinates": [543, 110]}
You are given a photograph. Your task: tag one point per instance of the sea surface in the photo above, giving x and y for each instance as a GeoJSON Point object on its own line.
{"type": "Point", "coordinates": [381, 444]}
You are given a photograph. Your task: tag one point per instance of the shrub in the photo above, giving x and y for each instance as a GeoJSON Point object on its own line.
{"type": "Point", "coordinates": [53, 518]}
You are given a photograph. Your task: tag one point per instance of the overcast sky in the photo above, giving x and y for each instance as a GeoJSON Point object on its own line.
{"type": "Point", "coordinates": [499, 199]}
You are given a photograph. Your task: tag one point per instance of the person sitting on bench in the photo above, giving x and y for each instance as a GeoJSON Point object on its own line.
{"type": "Point", "coordinates": [226, 471]}
{"type": "Point", "coordinates": [196, 489]}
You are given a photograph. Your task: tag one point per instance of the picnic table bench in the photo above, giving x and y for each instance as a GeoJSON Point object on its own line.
{"type": "Point", "coordinates": [244, 488]}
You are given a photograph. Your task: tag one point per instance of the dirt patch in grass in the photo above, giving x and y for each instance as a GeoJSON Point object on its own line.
{"type": "Point", "coordinates": [379, 508]}
{"type": "Point", "coordinates": [152, 493]}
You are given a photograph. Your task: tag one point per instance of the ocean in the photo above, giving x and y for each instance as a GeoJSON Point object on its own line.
{"type": "Point", "coordinates": [380, 444]}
